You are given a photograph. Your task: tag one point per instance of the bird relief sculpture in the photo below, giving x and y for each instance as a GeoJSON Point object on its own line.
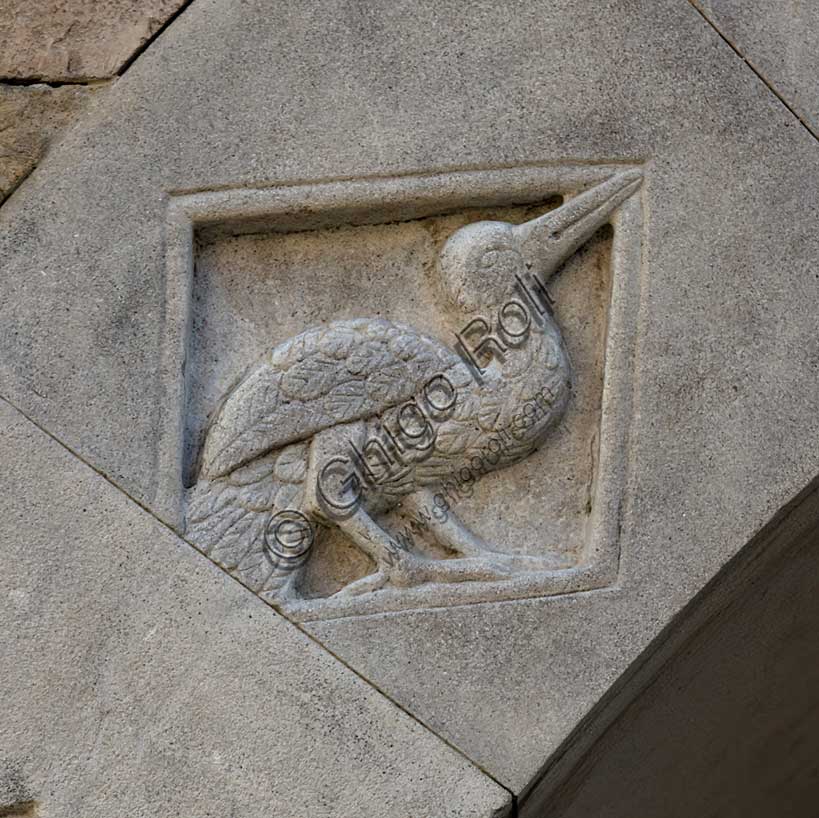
{"type": "Point", "coordinates": [348, 421]}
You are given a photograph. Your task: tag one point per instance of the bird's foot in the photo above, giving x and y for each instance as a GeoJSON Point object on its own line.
{"type": "Point", "coordinates": [412, 571]}
{"type": "Point", "coordinates": [448, 532]}
{"type": "Point", "coordinates": [365, 585]}
{"type": "Point", "coordinates": [419, 570]}
{"type": "Point", "coordinates": [401, 568]}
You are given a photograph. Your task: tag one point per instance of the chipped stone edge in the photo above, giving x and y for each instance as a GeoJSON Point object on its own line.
{"type": "Point", "coordinates": [377, 200]}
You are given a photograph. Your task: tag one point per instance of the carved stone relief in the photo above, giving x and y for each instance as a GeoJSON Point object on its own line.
{"type": "Point", "coordinates": [343, 451]}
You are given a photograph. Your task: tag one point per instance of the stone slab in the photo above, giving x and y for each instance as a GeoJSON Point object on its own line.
{"type": "Point", "coordinates": [76, 40]}
{"type": "Point", "coordinates": [781, 41]}
{"type": "Point", "coordinates": [139, 679]}
{"type": "Point", "coordinates": [31, 118]}
{"type": "Point", "coordinates": [724, 428]}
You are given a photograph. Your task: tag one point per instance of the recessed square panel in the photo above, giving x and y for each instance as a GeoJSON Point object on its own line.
{"type": "Point", "coordinates": [249, 270]}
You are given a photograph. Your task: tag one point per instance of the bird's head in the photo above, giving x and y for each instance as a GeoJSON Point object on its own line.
{"type": "Point", "coordinates": [479, 263]}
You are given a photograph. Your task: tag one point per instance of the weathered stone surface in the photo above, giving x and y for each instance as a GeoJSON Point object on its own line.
{"type": "Point", "coordinates": [31, 118]}
{"type": "Point", "coordinates": [781, 41]}
{"type": "Point", "coordinates": [140, 680]}
{"type": "Point", "coordinates": [723, 428]}
{"type": "Point", "coordinates": [75, 40]}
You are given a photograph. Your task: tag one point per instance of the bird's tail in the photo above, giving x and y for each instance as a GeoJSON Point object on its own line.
{"type": "Point", "coordinates": [250, 522]}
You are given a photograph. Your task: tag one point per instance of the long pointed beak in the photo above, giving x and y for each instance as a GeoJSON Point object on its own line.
{"type": "Point", "coordinates": [547, 241]}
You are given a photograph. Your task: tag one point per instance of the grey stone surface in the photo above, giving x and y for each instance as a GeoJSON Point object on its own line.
{"type": "Point", "coordinates": [781, 41]}
{"type": "Point", "coordinates": [31, 118]}
{"type": "Point", "coordinates": [725, 424]}
{"type": "Point", "coordinates": [140, 680]}
{"type": "Point", "coordinates": [71, 40]}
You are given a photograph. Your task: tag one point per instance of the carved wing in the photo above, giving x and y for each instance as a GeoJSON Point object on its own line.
{"type": "Point", "coordinates": [346, 371]}
{"type": "Point", "coordinates": [228, 518]}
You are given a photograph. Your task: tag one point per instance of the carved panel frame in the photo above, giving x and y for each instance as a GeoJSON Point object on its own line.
{"type": "Point", "coordinates": [376, 200]}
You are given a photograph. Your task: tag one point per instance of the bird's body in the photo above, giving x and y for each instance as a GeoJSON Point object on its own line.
{"type": "Point", "coordinates": [349, 382]}
{"type": "Point", "coordinates": [369, 371]}
{"type": "Point", "coordinates": [345, 421]}
{"type": "Point", "coordinates": [497, 418]}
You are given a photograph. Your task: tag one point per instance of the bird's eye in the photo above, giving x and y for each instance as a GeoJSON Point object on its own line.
{"type": "Point", "coordinates": [490, 258]}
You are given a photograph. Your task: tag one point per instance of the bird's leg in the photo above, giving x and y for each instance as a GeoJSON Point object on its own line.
{"type": "Point", "coordinates": [466, 569]}
{"type": "Point", "coordinates": [391, 559]}
{"type": "Point", "coordinates": [448, 532]}
{"type": "Point", "coordinates": [403, 568]}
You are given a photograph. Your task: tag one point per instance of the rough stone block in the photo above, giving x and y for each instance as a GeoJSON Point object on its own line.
{"type": "Point", "coordinates": [31, 118]}
{"type": "Point", "coordinates": [74, 40]}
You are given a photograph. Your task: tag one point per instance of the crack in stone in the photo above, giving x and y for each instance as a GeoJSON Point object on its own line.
{"type": "Point", "coordinates": [152, 39]}
{"type": "Point", "coordinates": [28, 81]}
{"type": "Point", "coordinates": [769, 85]}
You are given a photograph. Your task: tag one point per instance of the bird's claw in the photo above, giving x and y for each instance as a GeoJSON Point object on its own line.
{"type": "Point", "coordinates": [499, 569]}
{"type": "Point", "coordinates": [418, 570]}
{"type": "Point", "coordinates": [409, 570]}
{"type": "Point", "coordinates": [365, 585]}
